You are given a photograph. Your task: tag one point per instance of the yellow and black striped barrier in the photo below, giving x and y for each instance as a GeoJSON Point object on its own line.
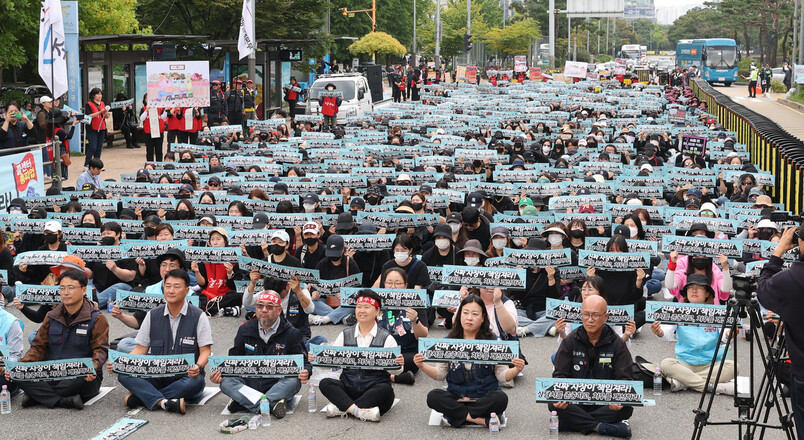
{"type": "Point", "coordinates": [772, 148]}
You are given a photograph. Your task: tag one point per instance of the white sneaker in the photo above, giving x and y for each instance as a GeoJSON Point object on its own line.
{"type": "Point", "coordinates": [333, 411]}
{"type": "Point", "coordinates": [522, 331]}
{"type": "Point", "coordinates": [369, 415]}
{"type": "Point", "coordinates": [445, 422]}
{"type": "Point", "coordinates": [726, 388]}
{"type": "Point", "coordinates": [318, 319]}
{"type": "Point", "coordinates": [676, 386]}
{"type": "Point", "coordinates": [552, 331]}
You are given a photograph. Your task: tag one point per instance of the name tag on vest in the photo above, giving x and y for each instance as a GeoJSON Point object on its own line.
{"type": "Point", "coordinates": [188, 340]}
{"type": "Point", "coordinates": [80, 331]}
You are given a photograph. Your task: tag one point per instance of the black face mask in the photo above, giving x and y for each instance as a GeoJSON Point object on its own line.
{"type": "Point", "coordinates": [701, 263]}
{"type": "Point", "coordinates": [372, 200]}
{"type": "Point", "coordinates": [765, 235]}
{"type": "Point", "coordinates": [51, 238]}
{"type": "Point", "coordinates": [182, 214]}
{"type": "Point", "coordinates": [107, 241]}
{"type": "Point", "coordinates": [150, 232]}
{"type": "Point", "coordinates": [417, 206]}
{"type": "Point", "coordinates": [276, 249]}
{"type": "Point", "coordinates": [186, 181]}
{"type": "Point", "coordinates": [188, 160]}
{"type": "Point", "coordinates": [343, 231]}
{"type": "Point", "coordinates": [87, 225]}
{"type": "Point", "coordinates": [354, 212]}
{"type": "Point", "coordinates": [182, 196]}
{"type": "Point", "coordinates": [310, 241]}
{"type": "Point", "coordinates": [334, 259]}
{"type": "Point", "coordinates": [142, 179]}
{"type": "Point", "coordinates": [577, 233]}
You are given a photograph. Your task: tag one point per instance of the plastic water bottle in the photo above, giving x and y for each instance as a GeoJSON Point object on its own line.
{"type": "Point", "coordinates": [110, 303]}
{"type": "Point", "coordinates": [254, 421]}
{"type": "Point", "coordinates": [553, 426]}
{"type": "Point", "coordinates": [265, 411]}
{"type": "Point", "coordinates": [494, 426]}
{"type": "Point", "coordinates": [657, 382]}
{"type": "Point", "coordinates": [311, 405]}
{"type": "Point", "coordinates": [5, 401]}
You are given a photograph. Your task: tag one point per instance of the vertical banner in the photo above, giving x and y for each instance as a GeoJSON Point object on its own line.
{"type": "Point", "coordinates": [245, 41]}
{"type": "Point", "coordinates": [52, 55]}
{"type": "Point", "coordinates": [535, 74]}
{"type": "Point", "coordinates": [520, 63]}
{"type": "Point", "coordinates": [460, 74]}
{"type": "Point", "coordinates": [21, 177]}
{"type": "Point", "coordinates": [471, 74]}
{"type": "Point", "coordinates": [178, 83]}
{"type": "Point", "coordinates": [70, 9]}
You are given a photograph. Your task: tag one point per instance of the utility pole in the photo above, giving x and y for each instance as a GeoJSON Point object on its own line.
{"type": "Point", "coordinates": [614, 37]}
{"type": "Point", "coordinates": [552, 33]}
{"type": "Point", "coordinates": [598, 36]}
{"type": "Point", "coordinates": [415, 58]}
{"type": "Point", "coordinates": [252, 57]}
{"type": "Point", "coordinates": [608, 19]}
{"type": "Point", "coordinates": [569, 37]}
{"type": "Point", "coordinates": [794, 53]}
{"type": "Point", "coordinates": [370, 12]}
{"type": "Point", "coordinates": [801, 34]}
{"type": "Point", "coordinates": [438, 35]}
{"type": "Point", "coordinates": [469, 29]}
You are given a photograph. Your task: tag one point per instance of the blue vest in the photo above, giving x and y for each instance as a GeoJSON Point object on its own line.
{"type": "Point", "coordinates": [6, 321]}
{"type": "Point", "coordinates": [186, 340]}
{"type": "Point", "coordinates": [696, 345]}
{"type": "Point", "coordinates": [72, 342]}
{"type": "Point", "coordinates": [360, 380]}
{"type": "Point", "coordinates": [474, 382]}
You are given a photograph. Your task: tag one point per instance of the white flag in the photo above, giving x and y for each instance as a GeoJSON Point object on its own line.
{"type": "Point", "coordinates": [52, 55]}
{"type": "Point", "coordinates": [245, 42]}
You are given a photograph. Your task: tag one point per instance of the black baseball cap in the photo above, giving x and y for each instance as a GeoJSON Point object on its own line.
{"type": "Point", "coordinates": [334, 247]}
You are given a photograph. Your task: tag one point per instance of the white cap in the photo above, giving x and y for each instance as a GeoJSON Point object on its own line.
{"type": "Point", "coordinates": [403, 176]}
{"type": "Point", "coordinates": [708, 206]}
{"type": "Point", "coordinates": [45, 99]}
{"type": "Point", "coordinates": [635, 202]}
{"type": "Point", "coordinates": [646, 166]}
{"type": "Point", "coordinates": [310, 227]}
{"type": "Point", "coordinates": [282, 235]}
{"type": "Point", "coordinates": [53, 226]}
{"type": "Point", "coordinates": [765, 223]}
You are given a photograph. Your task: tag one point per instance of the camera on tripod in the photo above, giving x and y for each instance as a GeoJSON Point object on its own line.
{"type": "Point", "coordinates": [744, 286]}
{"type": "Point", "coordinates": [784, 216]}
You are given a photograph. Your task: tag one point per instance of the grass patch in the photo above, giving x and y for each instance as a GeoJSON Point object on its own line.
{"type": "Point", "coordinates": [798, 96]}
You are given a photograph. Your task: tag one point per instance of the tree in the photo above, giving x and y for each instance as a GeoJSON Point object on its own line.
{"type": "Point", "coordinates": [107, 17]}
{"type": "Point", "coordinates": [453, 19]}
{"type": "Point", "coordinates": [377, 42]}
{"type": "Point", "coordinates": [18, 33]}
{"type": "Point", "coordinates": [514, 39]}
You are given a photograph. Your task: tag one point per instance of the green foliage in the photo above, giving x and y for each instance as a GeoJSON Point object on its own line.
{"type": "Point", "coordinates": [19, 32]}
{"type": "Point", "coordinates": [15, 95]}
{"type": "Point", "coordinates": [603, 58]}
{"type": "Point", "coordinates": [377, 42]}
{"type": "Point", "coordinates": [777, 87]}
{"type": "Point", "coordinates": [744, 67]}
{"type": "Point", "coordinates": [514, 39]}
{"type": "Point", "coordinates": [486, 15]}
{"type": "Point", "coordinates": [107, 17]}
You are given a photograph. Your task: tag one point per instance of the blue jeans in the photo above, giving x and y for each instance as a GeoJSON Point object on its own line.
{"type": "Point", "coordinates": [103, 297]}
{"type": "Point", "coordinates": [317, 340]}
{"type": "Point", "coordinates": [284, 388]}
{"type": "Point", "coordinates": [539, 327]}
{"type": "Point", "coordinates": [9, 293]}
{"type": "Point", "coordinates": [126, 345]}
{"type": "Point", "coordinates": [152, 390]}
{"type": "Point", "coordinates": [95, 141]}
{"type": "Point", "coordinates": [338, 314]}
{"type": "Point", "coordinates": [321, 307]}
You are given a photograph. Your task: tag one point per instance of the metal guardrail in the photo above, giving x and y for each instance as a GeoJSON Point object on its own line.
{"type": "Point", "coordinates": [771, 147]}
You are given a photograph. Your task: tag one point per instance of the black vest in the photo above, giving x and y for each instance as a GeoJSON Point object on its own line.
{"type": "Point", "coordinates": [72, 342]}
{"type": "Point", "coordinates": [186, 340]}
{"type": "Point", "coordinates": [297, 316]}
{"type": "Point", "coordinates": [360, 380]}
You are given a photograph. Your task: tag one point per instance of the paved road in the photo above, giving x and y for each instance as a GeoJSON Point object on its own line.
{"type": "Point", "coordinates": [672, 418]}
{"type": "Point", "coordinates": [787, 118]}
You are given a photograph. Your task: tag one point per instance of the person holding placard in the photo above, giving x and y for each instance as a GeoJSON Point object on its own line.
{"type": "Point", "coordinates": [681, 267]}
{"type": "Point", "coordinates": [624, 287]}
{"type": "Point", "coordinates": [11, 335]}
{"type": "Point", "coordinates": [473, 389]}
{"type": "Point", "coordinates": [173, 328]}
{"type": "Point", "coordinates": [109, 276]}
{"type": "Point", "coordinates": [542, 283]}
{"type": "Point", "coordinates": [217, 280]}
{"type": "Point", "coordinates": [365, 394]}
{"type": "Point", "coordinates": [593, 351]}
{"type": "Point", "coordinates": [695, 347]}
{"type": "Point", "coordinates": [402, 247]}
{"type": "Point", "coordinates": [500, 309]}
{"type": "Point", "coordinates": [269, 334]}
{"type": "Point", "coordinates": [329, 107]}
{"type": "Point", "coordinates": [337, 264]}
{"type": "Point", "coordinates": [73, 329]}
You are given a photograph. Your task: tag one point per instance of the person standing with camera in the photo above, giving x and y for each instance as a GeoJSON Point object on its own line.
{"type": "Point", "coordinates": [781, 290]}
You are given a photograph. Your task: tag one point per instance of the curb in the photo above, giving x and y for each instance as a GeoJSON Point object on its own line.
{"type": "Point", "coordinates": [792, 104]}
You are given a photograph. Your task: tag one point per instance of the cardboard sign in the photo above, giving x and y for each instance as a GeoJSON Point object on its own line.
{"type": "Point", "coordinates": [468, 350]}
{"type": "Point", "coordinates": [589, 391]}
{"type": "Point", "coordinates": [447, 298]}
{"type": "Point", "coordinates": [615, 261]}
{"type": "Point", "coordinates": [43, 258]}
{"type": "Point", "coordinates": [535, 258]}
{"type": "Point", "coordinates": [96, 253]}
{"type": "Point", "coordinates": [150, 249]}
{"type": "Point", "coordinates": [50, 370]}
{"type": "Point", "coordinates": [692, 145]}
{"type": "Point", "coordinates": [488, 277]}
{"type": "Point", "coordinates": [392, 299]}
{"type": "Point", "coordinates": [146, 365]}
{"type": "Point", "coordinates": [702, 247]}
{"type": "Point", "coordinates": [355, 357]}
{"type": "Point", "coordinates": [377, 242]}
{"type": "Point", "coordinates": [283, 273]}
{"type": "Point", "coordinates": [571, 312]}
{"type": "Point", "coordinates": [214, 255]}
{"type": "Point", "coordinates": [599, 244]}
{"type": "Point", "coordinates": [38, 294]}
{"type": "Point", "coordinates": [702, 315]}
{"type": "Point", "coordinates": [264, 367]}
{"type": "Point", "coordinates": [726, 226]}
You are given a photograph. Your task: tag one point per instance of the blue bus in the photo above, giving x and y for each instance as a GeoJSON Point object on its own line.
{"type": "Point", "coordinates": [715, 57]}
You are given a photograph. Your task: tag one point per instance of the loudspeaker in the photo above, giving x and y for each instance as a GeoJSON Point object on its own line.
{"type": "Point", "coordinates": [373, 74]}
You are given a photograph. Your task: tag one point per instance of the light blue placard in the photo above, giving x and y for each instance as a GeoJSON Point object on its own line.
{"type": "Point", "coordinates": [702, 315]}
{"type": "Point", "coordinates": [355, 357]}
{"type": "Point", "coordinates": [257, 366]}
{"type": "Point", "coordinates": [394, 299]}
{"type": "Point", "coordinates": [284, 273]}
{"type": "Point", "coordinates": [446, 298]}
{"type": "Point", "coordinates": [703, 247]}
{"type": "Point", "coordinates": [599, 244]}
{"type": "Point", "coordinates": [44, 258]}
{"type": "Point", "coordinates": [615, 261]}
{"type": "Point", "coordinates": [589, 391]}
{"type": "Point", "coordinates": [50, 370]}
{"type": "Point", "coordinates": [128, 300]}
{"type": "Point", "coordinates": [468, 350]}
{"type": "Point", "coordinates": [4, 354]}
{"type": "Point", "coordinates": [39, 294]}
{"type": "Point", "coordinates": [121, 429]}
{"type": "Point", "coordinates": [571, 312]}
{"type": "Point", "coordinates": [333, 287]}
{"type": "Point", "coordinates": [488, 277]}
{"type": "Point", "coordinates": [537, 258]}
{"type": "Point", "coordinates": [146, 365]}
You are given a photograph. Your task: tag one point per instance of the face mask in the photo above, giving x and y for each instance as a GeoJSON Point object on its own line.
{"type": "Point", "coordinates": [599, 138]}
{"type": "Point", "coordinates": [187, 160]}
{"type": "Point", "coordinates": [472, 261]}
{"type": "Point", "coordinates": [554, 239]}
{"type": "Point", "coordinates": [182, 214]}
{"type": "Point", "coordinates": [334, 259]}
{"type": "Point", "coordinates": [417, 206]}
{"type": "Point", "coordinates": [442, 243]}
{"type": "Point", "coordinates": [455, 228]}
{"type": "Point", "coordinates": [765, 234]}
{"type": "Point", "coordinates": [634, 231]}
{"type": "Point", "coordinates": [499, 243]}
{"type": "Point", "coordinates": [310, 241]}
{"type": "Point", "coordinates": [655, 143]}
{"type": "Point", "coordinates": [142, 179]}
{"type": "Point", "coordinates": [401, 256]}
{"type": "Point", "coordinates": [182, 196]}
{"type": "Point", "coordinates": [372, 200]}
{"type": "Point", "coordinates": [546, 149]}
{"type": "Point", "coordinates": [150, 232]}
{"type": "Point", "coordinates": [87, 225]}
{"type": "Point", "coordinates": [276, 249]}
{"type": "Point", "coordinates": [577, 233]}
{"type": "Point", "coordinates": [308, 207]}
{"type": "Point", "coordinates": [107, 241]}
{"type": "Point", "coordinates": [186, 181]}
{"type": "Point", "coordinates": [701, 263]}
{"type": "Point", "coordinates": [542, 180]}
{"type": "Point", "coordinates": [51, 238]}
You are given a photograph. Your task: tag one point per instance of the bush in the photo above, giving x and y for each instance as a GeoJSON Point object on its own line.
{"type": "Point", "coordinates": [15, 95]}
{"type": "Point", "coordinates": [603, 58]}
{"type": "Point", "coordinates": [778, 87]}
{"type": "Point", "coordinates": [744, 67]}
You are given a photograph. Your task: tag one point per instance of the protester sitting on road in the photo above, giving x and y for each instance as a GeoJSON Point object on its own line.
{"type": "Point", "coordinates": [216, 280]}
{"type": "Point", "coordinates": [681, 267]}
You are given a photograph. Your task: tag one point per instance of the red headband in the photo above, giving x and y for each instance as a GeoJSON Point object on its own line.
{"type": "Point", "coordinates": [270, 297]}
{"type": "Point", "coordinates": [368, 300]}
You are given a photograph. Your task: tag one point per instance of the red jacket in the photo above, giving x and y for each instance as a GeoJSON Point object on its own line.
{"type": "Point", "coordinates": [146, 126]}
{"type": "Point", "coordinates": [98, 122]}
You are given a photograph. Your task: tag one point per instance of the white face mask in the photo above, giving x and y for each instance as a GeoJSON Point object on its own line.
{"type": "Point", "coordinates": [599, 138]}
{"type": "Point", "coordinates": [472, 261]}
{"type": "Point", "coordinates": [554, 239]}
{"type": "Point", "coordinates": [546, 149]}
{"type": "Point", "coordinates": [442, 243]}
{"type": "Point", "coordinates": [401, 256]}
{"type": "Point", "coordinates": [308, 207]}
{"type": "Point", "coordinates": [634, 231]}
{"type": "Point", "coordinates": [455, 227]}
{"type": "Point", "coordinates": [498, 243]}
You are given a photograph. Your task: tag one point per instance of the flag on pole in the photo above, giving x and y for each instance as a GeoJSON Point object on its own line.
{"type": "Point", "coordinates": [52, 55]}
{"type": "Point", "coordinates": [245, 42]}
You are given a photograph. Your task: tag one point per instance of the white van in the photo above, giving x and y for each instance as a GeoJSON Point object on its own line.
{"type": "Point", "coordinates": [355, 89]}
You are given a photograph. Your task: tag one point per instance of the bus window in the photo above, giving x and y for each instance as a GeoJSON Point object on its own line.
{"type": "Point", "coordinates": [721, 57]}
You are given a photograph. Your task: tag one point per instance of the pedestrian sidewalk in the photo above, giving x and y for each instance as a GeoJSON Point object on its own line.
{"type": "Point", "coordinates": [787, 118]}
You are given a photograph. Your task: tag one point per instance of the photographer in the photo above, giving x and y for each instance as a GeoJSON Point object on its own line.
{"type": "Point", "coordinates": [780, 291]}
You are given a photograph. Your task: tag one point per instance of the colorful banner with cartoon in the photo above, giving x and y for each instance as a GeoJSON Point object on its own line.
{"type": "Point", "coordinates": [178, 83]}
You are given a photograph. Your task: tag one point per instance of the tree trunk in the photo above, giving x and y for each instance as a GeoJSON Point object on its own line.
{"type": "Point", "coordinates": [761, 44]}
{"type": "Point", "coordinates": [747, 37]}
{"type": "Point", "coordinates": [774, 53]}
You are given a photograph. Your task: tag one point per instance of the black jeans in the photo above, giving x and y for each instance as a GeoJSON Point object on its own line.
{"type": "Point", "coordinates": [131, 139]}
{"type": "Point", "coordinates": [211, 306]}
{"type": "Point", "coordinates": [447, 404]}
{"type": "Point", "coordinates": [585, 418]}
{"type": "Point", "coordinates": [380, 395]}
{"type": "Point", "coordinates": [797, 401]}
{"type": "Point", "coordinates": [153, 147]}
{"type": "Point", "coordinates": [48, 393]}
